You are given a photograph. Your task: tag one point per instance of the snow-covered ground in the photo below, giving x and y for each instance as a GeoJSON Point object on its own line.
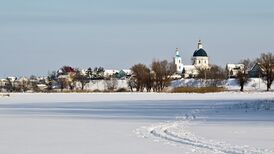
{"type": "Point", "coordinates": [254, 84]}
{"type": "Point", "coordinates": [159, 123]}
{"type": "Point", "coordinates": [101, 85]}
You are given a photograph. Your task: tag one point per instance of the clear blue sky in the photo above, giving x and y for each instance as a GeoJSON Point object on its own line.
{"type": "Point", "coordinates": [37, 36]}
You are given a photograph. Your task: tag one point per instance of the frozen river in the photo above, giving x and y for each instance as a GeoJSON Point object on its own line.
{"type": "Point", "coordinates": [137, 123]}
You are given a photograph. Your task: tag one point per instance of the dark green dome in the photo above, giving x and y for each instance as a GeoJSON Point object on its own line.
{"type": "Point", "coordinates": [200, 53]}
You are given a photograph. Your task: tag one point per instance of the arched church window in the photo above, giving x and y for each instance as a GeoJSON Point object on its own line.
{"type": "Point", "coordinates": [199, 61]}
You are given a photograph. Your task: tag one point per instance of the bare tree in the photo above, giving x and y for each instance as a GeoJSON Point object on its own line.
{"type": "Point", "coordinates": [163, 70]}
{"type": "Point", "coordinates": [203, 73]}
{"type": "Point", "coordinates": [111, 84]}
{"type": "Point", "coordinates": [82, 78]}
{"type": "Point", "coordinates": [266, 61]}
{"type": "Point", "coordinates": [24, 84]}
{"type": "Point", "coordinates": [35, 87]}
{"type": "Point", "coordinates": [98, 72]}
{"type": "Point", "coordinates": [63, 82]}
{"type": "Point", "coordinates": [212, 76]}
{"type": "Point", "coordinates": [141, 76]}
{"type": "Point", "coordinates": [51, 79]}
{"type": "Point", "coordinates": [242, 79]}
{"type": "Point", "coordinates": [9, 86]}
{"type": "Point", "coordinates": [242, 75]}
{"type": "Point", "coordinates": [149, 81]}
{"type": "Point", "coordinates": [2, 85]}
{"type": "Point", "coordinates": [131, 83]}
{"type": "Point", "coordinates": [89, 73]}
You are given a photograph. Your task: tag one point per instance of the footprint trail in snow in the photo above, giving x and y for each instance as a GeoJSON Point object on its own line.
{"type": "Point", "coordinates": [177, 133]}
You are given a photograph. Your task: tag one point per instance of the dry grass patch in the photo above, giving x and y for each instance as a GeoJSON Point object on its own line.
{"type": "Point", "coordinates": [198, 90]}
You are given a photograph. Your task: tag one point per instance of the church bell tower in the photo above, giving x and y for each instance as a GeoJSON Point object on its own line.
{"type": "Point", "coordinates": [178, 62]}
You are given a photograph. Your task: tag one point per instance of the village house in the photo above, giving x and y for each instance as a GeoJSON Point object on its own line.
{"type": "Point", "coordinates": [66, 72]}
{"type": "Point", "coordinates": [233, 69]}
{"type": "Point", "coordinates": [110, 72]}
{"type": "Point", "coordinates": [258, 71]}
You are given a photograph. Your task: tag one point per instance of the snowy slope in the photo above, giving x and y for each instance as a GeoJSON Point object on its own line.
{"type": "Point", "coordinates": [255, 84]}
{"type": "Point", "coordinates": [101, 85]}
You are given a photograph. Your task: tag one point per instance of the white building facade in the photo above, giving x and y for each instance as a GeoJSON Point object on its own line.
{"type": "Point", "coordinates": [178, 62]}
{"type": "Point", "coordinates": [199, 59]}
{"type": "Point", "coordinates": [233, 69]}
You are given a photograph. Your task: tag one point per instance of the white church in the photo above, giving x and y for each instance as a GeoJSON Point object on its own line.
{"type": "Point", "coordinates": [199, 61]}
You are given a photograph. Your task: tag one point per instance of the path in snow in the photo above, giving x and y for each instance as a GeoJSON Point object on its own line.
{"type": "Point", "coordinates": [177, 132]}
{"type": "Point", "coordinates": [124, 110]}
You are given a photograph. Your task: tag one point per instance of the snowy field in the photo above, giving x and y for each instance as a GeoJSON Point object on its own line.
{"type": "Point", "coordinates": [254, 84]}
{"type": "Point", "coordinates": [135, 123]}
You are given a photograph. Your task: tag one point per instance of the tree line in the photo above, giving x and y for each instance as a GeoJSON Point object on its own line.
{"type": "Point", "coordinates": [154, 78]}
{"type": "Point", "coordinates": [65, 78]}
{"type": "Point", "coordinates": [214, 75]}
{"type": "Point", "coordinates": [266, 66]}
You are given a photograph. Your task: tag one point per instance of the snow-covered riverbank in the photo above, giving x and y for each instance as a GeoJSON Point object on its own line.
{"type": "Point", "coordinates": [105, 97]}
{"type": "Point", "coordinates": [137, 123]}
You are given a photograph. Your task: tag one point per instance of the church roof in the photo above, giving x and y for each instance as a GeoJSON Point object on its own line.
{"type": "Point", "coordinates": [200, 53]}
{"type": "Point", "coordinates": [177, 52]}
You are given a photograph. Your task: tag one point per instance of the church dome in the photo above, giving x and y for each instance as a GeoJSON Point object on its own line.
{"type": "Point", "coordinates": [200, 53]}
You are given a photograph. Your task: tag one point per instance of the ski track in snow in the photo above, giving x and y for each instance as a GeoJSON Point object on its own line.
{"type": "Point", "coordinates": [177, 133]}
{"type": "Point", "coordinates": [173, 132]}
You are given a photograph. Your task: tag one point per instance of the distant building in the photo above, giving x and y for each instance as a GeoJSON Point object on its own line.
{"type": "Point", "coordinates": [66, 70]}
{"type": "Point", "coordinates": [12, 78]}
{"type": "Point", "coordinates": [124, 73]}
{"type": "Point", "coordinates": [256, 71]}
{"type": "Point", "coordinates": [178, 62]}
{"type": "Point", "coordinates": [109, 73]}
{"type": "Point", "coordinates": [66, 73]}
{"type": "Point", "coordinates": [233, 69]}
{"type": "Point", "coordinates": [199, 59]}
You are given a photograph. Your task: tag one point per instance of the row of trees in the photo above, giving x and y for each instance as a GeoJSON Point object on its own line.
{"type": "Point", "coordinates": [21, 85]}
{"type": "Point", "coordinates": [156, 77]}
{"type": "Point", "coordinates": [68, 77]}
{"type": "Point", "coordinates": [266, 66]}
{"type": "Point", "coordinates": [214, 75]}
{"type": "Point", "coordinates": [65, 78]}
